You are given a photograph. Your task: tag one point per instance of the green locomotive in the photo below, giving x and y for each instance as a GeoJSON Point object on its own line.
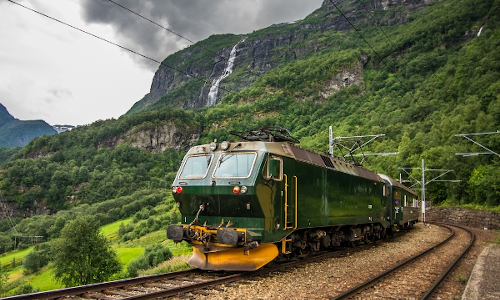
{"type": "Point", "coordinates": [243, 204]}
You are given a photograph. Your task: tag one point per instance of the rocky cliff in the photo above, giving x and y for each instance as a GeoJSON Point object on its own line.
{"type": "Point", "coordinates": [184, 78]}
{"type": "Point", "coordinates": [157, 138]}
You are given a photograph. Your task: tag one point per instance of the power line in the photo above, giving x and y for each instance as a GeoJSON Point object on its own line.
{"type": "Point", "coordinates": [359, 33]}
{"type": "Point", "coordinates": [165, 28]}
{"type": "Point", "coordinates": [11, 223]}
{"type": "Point", "coordinates": [380, 28]}
{"type": "Point", "coordinates": [118, 45]}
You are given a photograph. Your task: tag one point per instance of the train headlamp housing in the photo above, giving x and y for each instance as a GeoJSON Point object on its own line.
{"type": "Point", "coordinates": [243, 190]}
{"type": "Point", "coordinates": [240, 189]}
{"type": "Point", "coordinates": [177, 189]}
{"type": "Point", "coordinates": [213, 146]}
{"type": "Point", "coordinates": [236, 189]}
{"type": "Point", "coordinates": [225, 145]}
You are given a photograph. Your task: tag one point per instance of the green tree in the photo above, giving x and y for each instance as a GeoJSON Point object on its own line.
{"type": "Point", "coordinates": [82, 255]}
{"type": "Point", "coordinates": [122, 230]}
{"type": "Point", "coordinates": [3, 280]}
{"type": "Point", "coordinates": [6, 244]}
{"type": "Point", "coordinates": [37, 259]}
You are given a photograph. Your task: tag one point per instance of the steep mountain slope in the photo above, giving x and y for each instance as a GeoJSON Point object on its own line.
{"type": "Point", "coordinates": [187, 78]}
{"type": "Point", "coordinates": [14, 132]}
{"type": "Point", "coordinates": [430, 71]}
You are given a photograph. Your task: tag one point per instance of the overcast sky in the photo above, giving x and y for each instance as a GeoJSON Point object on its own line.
{"type": "Point", "coordinates": [52, 72]}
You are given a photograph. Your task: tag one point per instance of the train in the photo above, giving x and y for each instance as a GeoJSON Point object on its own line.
{"type": "Point", "coordinates": [245, 204]}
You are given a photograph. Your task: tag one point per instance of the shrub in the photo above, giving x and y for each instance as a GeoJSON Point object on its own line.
{"type": "Point", "coordinates": [153, 256]}
{"type": "Point", "coordinates": [26, 289]}
{"type": "Point", "coordinates": [37, 259]}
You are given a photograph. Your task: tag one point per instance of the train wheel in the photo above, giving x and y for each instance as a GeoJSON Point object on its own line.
{"type": "Point", "coordinates": [303, 253]}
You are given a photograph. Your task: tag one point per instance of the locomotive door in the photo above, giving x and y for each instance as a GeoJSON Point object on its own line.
{"type": "Point", "coordinates": [288, 187]}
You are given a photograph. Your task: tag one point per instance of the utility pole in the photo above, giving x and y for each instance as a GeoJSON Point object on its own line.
{"type": "Point", "coordinates": [423, 190]}
{"type": "Point", "coordinates": [423, 183]}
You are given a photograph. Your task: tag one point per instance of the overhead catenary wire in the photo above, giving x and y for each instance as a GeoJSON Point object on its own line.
{"type": "Point", "coordinates": [380, 28]}
{"type": "Point", "coordinates": [118, 45]}
{"type": "Point", "coordinates": [364, 39]}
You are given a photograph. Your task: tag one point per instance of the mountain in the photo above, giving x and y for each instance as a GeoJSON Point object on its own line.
{"type": "Point", "coordinates": [204, 64]}
{"type": "Point", "coordinates": [419, 72]}
{"type": "Point", "coordinates": [14, 132]}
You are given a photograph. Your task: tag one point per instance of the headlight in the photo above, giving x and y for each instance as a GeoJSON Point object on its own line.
{"type": "Point", "coordinates": [243, 190]}
{"type": "Point", "coordinates": [225, 145]}
{"type": "Point", "coordinates": [213, 146]}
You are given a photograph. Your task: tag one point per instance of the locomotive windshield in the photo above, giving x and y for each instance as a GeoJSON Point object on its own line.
{"type": "Point", "coordinates": [235, 165]}
{"type": "Point", "coordinates": [196, 167]}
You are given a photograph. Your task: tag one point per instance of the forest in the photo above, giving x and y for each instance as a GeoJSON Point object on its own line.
{"type": "Point", "coordinates": [435, 77]}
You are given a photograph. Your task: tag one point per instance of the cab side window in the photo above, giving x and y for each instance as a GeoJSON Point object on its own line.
{"type": "Point", "coordinates": [274, 168]}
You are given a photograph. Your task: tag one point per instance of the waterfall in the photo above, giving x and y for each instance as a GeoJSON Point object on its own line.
{"type": "Point", "coordinates": [214, 89]}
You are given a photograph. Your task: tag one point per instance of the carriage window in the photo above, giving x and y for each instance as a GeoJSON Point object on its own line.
{"type": "Point", "coordinates": [397, 198]}
{"type": "Point", "coordinates": [406, 200]}
{"type": "Point", "coordinates": [196, 167]}
{"type": "Point", "coordinates": [235, 165]}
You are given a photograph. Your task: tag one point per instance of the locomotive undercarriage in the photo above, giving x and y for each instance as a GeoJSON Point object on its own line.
{"type": "Point", "coordinates": [232, 249]}
{"type": "Point", "coordinates": [303, 242]}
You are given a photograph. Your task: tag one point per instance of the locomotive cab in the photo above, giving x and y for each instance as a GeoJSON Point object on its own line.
{"type": "Point", "coordinates": [216, 192]}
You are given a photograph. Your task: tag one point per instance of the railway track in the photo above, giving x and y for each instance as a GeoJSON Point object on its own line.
{"type": "Point", "coordinates": [169, 284]}
{"type": "Point", "coordinates": [419, 276]}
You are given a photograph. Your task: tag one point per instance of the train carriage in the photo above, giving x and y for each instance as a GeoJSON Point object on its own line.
{"type": "Point", "coordinates": [403, 207]}
{"type": "Point", "coordinates": [244, 204]}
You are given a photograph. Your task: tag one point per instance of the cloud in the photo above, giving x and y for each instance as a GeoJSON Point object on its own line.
{"type": "Point", "coordinates": [194, 20]}
{"type": "Point", "coordinates": [57, 94]}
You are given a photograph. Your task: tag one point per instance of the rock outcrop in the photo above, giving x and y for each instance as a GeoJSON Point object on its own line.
{"type": "Point", "coordinates": [158, 138]}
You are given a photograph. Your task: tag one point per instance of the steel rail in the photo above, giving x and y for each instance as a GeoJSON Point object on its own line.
{"type": "Point", "coordinates": [438, 281]}
{"type": "Point", "coordinates": [355, 290]}
{"type": "Point", "coordinates": [77, 290]}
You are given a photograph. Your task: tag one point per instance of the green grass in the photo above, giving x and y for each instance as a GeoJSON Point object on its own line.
{"type": "Point", "coordinates": [110, 231]}
{"type": "Point", "coordinates": [45, 281]}
{"type": "Point", "coordinates": [6, 259]}
{"type": "Point", "coordinates": [472, 206]}
{"type": "Point", "coordinates": [176, 263]}
{"type": "Point", "coordinates": [155, 237]}
{"type": "Point", "coordinates": [126, 255]}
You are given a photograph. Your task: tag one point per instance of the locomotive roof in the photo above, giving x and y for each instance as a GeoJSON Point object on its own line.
{"type": "Point", "coordinates": [297, 153]}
